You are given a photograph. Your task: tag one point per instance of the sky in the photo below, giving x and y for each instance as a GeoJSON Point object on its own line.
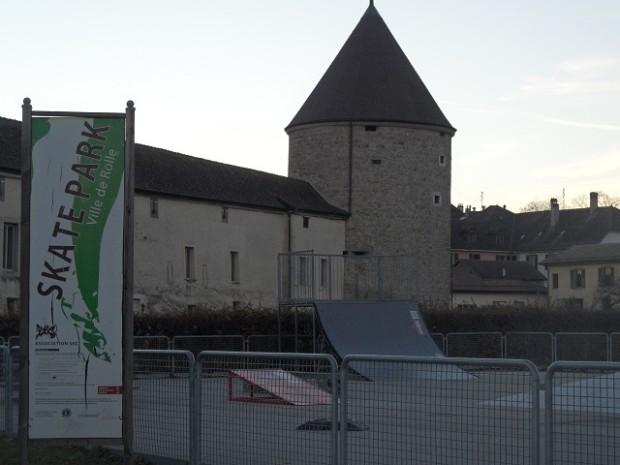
{"type": "Point", "coordinates": [533, 87]}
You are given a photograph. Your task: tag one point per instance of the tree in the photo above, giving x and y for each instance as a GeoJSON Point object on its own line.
{"type": "Point", "coordinates": [607, 297]}
{"type": "Point", "coordinates": [535, 206]}
{"type": "Point", "coordinates": [604, 200]}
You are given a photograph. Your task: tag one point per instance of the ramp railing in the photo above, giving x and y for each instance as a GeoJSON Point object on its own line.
{"type": "Point", "coordinates": [304, 277]}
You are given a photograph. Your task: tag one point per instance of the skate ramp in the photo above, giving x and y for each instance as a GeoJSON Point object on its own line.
{"type": "Point", "coordinates": [382, 328]}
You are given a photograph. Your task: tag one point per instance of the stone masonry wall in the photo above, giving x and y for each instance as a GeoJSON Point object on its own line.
{"type": "Point", "coordinates": [400, 192]}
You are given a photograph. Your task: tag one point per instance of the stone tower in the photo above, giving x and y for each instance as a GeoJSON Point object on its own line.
{"type": "Point", "coordinates": [371, 139]}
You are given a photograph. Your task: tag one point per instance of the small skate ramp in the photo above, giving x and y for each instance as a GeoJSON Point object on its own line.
{"type": "Point", "coordinates": [379, 328]}
{"type": "Point", "coordinates": [274, 386]}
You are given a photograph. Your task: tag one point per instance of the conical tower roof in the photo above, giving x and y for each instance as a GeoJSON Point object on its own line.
{"type": "Point", "coordinates": [371, 79]}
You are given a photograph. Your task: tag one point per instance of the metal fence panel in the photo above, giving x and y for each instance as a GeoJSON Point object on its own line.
{"type": "Point", "coordinates": [474, 345]}
{"type": "Point", "coordinates": [283, 343]}
{"type": "Point", "coordinates": [582, 407]}
{"type": "Point", "coordinates": [533, 346]}
{"type": "Point", "coordinates": [197, 344]}
{"type": "Point", "coordinates": [267, 409]}
{"type": "Point", "coordinates": [164, 405]}
{"type": "Point", "coordinates": [440, 341]}
{"type": "Point", "coordinates": [151, 342]}
{"type": "Point", "coordinates": [427, 411]}
{"type": "Point", "coordinates": [614, 349]}
{"type": "Point", "coordinates": [582, 346]}
{"type": "Point", "coordinates": [6, 394]}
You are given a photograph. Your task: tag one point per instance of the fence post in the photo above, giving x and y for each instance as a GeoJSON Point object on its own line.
{"type": "Point", "coordinates": [8, 391]}
{"type": "Point", "coordinates": [195, 400]}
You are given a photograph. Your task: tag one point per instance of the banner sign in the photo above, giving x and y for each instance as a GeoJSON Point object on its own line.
{"type": "Point", "coordinates": [76, 277]}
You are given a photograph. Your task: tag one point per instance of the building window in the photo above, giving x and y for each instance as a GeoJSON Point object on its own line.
{"type": "Point", "coordinates": [234, 267]}
{"type": "Point", "coordinates": [437, 199]}
{"type": "Point", "coordinates": [499, 238]}
{"type": "Point", "coordinates": [370, 128]}
{"type": "Point", "coordinates": [442, 160]}
{"type": "Point", "coordinates": [606, 276]}
{"type": "Point", "coordinates": [500, 258]}
{"type": "Point", "coordinates": [471, 237]}
{"type": "Point", "coordinates": [578, 278]}
{"type": "Point", "coordinates": [532, 260]}
{"type": "Point", "coordinates": [376, 161]}
{"type": "Point", "coordinates": [306, 222]}
{"type": "Point", "coordinates": [12, 305]}
{"type": "Point", "coordinates": [454, 258]}
{"type": "Point", "coordinates": [2, 188]}
{"type": "Point", "coordinates": [555, 281]}
{"type": "Point", "coordinates": [224, 214]}
{"type": "Point", "coordinates": [11, 247]}
{"type": "Point", "coordinates": [190, 264]}
{"type": "Point", "coordinates": [154, 207]}
{"type": "Point", "coordinates": [474, 256]}
{"type": "Point", "coordinates": [302, 272]}
{"type": "Point", "coordinates": [324, 273]}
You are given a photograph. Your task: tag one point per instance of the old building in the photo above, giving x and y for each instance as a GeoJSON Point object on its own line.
{"type": "Point", "coordinates": [369, 174]}
{"type": "Point", "coordinates": [585, 277]}
{"type": "Point", "coordinates": [480, 283]}
{"type": "Point", "coordinates": [496, 233]}
{"type": "Point", "coordinates": [371, 139]}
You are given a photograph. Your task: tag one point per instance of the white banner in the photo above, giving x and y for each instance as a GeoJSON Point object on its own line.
{"type": "Point", "coordinates": [76, 277]}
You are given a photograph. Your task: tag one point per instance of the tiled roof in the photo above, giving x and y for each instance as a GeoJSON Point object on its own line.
{"type": "Point", "coordinates": [533, 231]}
{"type": "Point", "coordinates": [371, 79]}
{"type": "Point", "coordinates": [163, 172]}
{"type": "Point", "coordinates": [592, 253]}
{"type": "Point", "coordinates": [494, 276]}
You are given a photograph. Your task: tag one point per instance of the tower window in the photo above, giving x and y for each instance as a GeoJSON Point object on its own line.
{"type": "Point", "coordinates": [306, 221]}
{"type": "Point", "coordinates": [376, 161]}
{"type": "Point", "coordinates": [437, 199]}
{"type": "Point", "coordinates": [442, 160]}
{"type": "Point", "coordinates": [224, 214]}
{"type": "Point", "coordinates": [154, 207]}
{"type": "Point", "coordinates": [370, 128]}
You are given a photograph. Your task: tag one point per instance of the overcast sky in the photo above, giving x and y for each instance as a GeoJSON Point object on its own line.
{"type": "Point", "coordinates": [533, 87]}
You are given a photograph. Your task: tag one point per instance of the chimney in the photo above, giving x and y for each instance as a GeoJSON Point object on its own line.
{"type": "Point", "coordinates": [460, 207]}
{"type": "Point", "coordinates": [555, 212]}
{"type": "Point", "coordinates": [593, 202]}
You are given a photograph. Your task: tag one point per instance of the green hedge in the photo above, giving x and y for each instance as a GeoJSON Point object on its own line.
{"type": "Point", "coordinates": [250, 320]}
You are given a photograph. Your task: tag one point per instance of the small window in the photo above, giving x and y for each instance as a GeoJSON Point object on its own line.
{"type": "Point", "coordinates": [306, 221]}
{"type": "Point", "coordinates": [11, 247]}
{"type": "Point", "coordinates": [437, 199]}
{"type": "Point", "coordinates": [154, 207]}
{"type": "Point", "coordinates": [532, 260]}
{"type": "Point", "coordinates": [302, 274]}
{"type": "Point", "coordinates": [442, 160]}
{"type": "Point", "coordinates": [555, 281]}
{"type": "Point", "coordinates": [500, 258]}
{"type": "Point", "coordinates": [12, 305]}
{"type": "Point", "coordinates": [324, 273]}
{"type": "Point", "coordinates": [224, 214]}
{"type": "Point", "coordinates": [578, 278]}
{"type": "Point", "coordinates": [370, 128]}
{"type": "Point", "coordinates": [2, 188]}
{"type": "Point", "coordinates": [190, 265]}
{"type": "Point", "coordinates": [376, 161]}
{"type": "Point", "coordinates": [471, 237]}
{"type": "Point", "coordinates": [474, 256]}
{"type": "Point", "coordinates": [234, 267]}
{"type": "Point", "coordinates": [606, 276]}
{"type": "Point", "coordinates": [499, 238]}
